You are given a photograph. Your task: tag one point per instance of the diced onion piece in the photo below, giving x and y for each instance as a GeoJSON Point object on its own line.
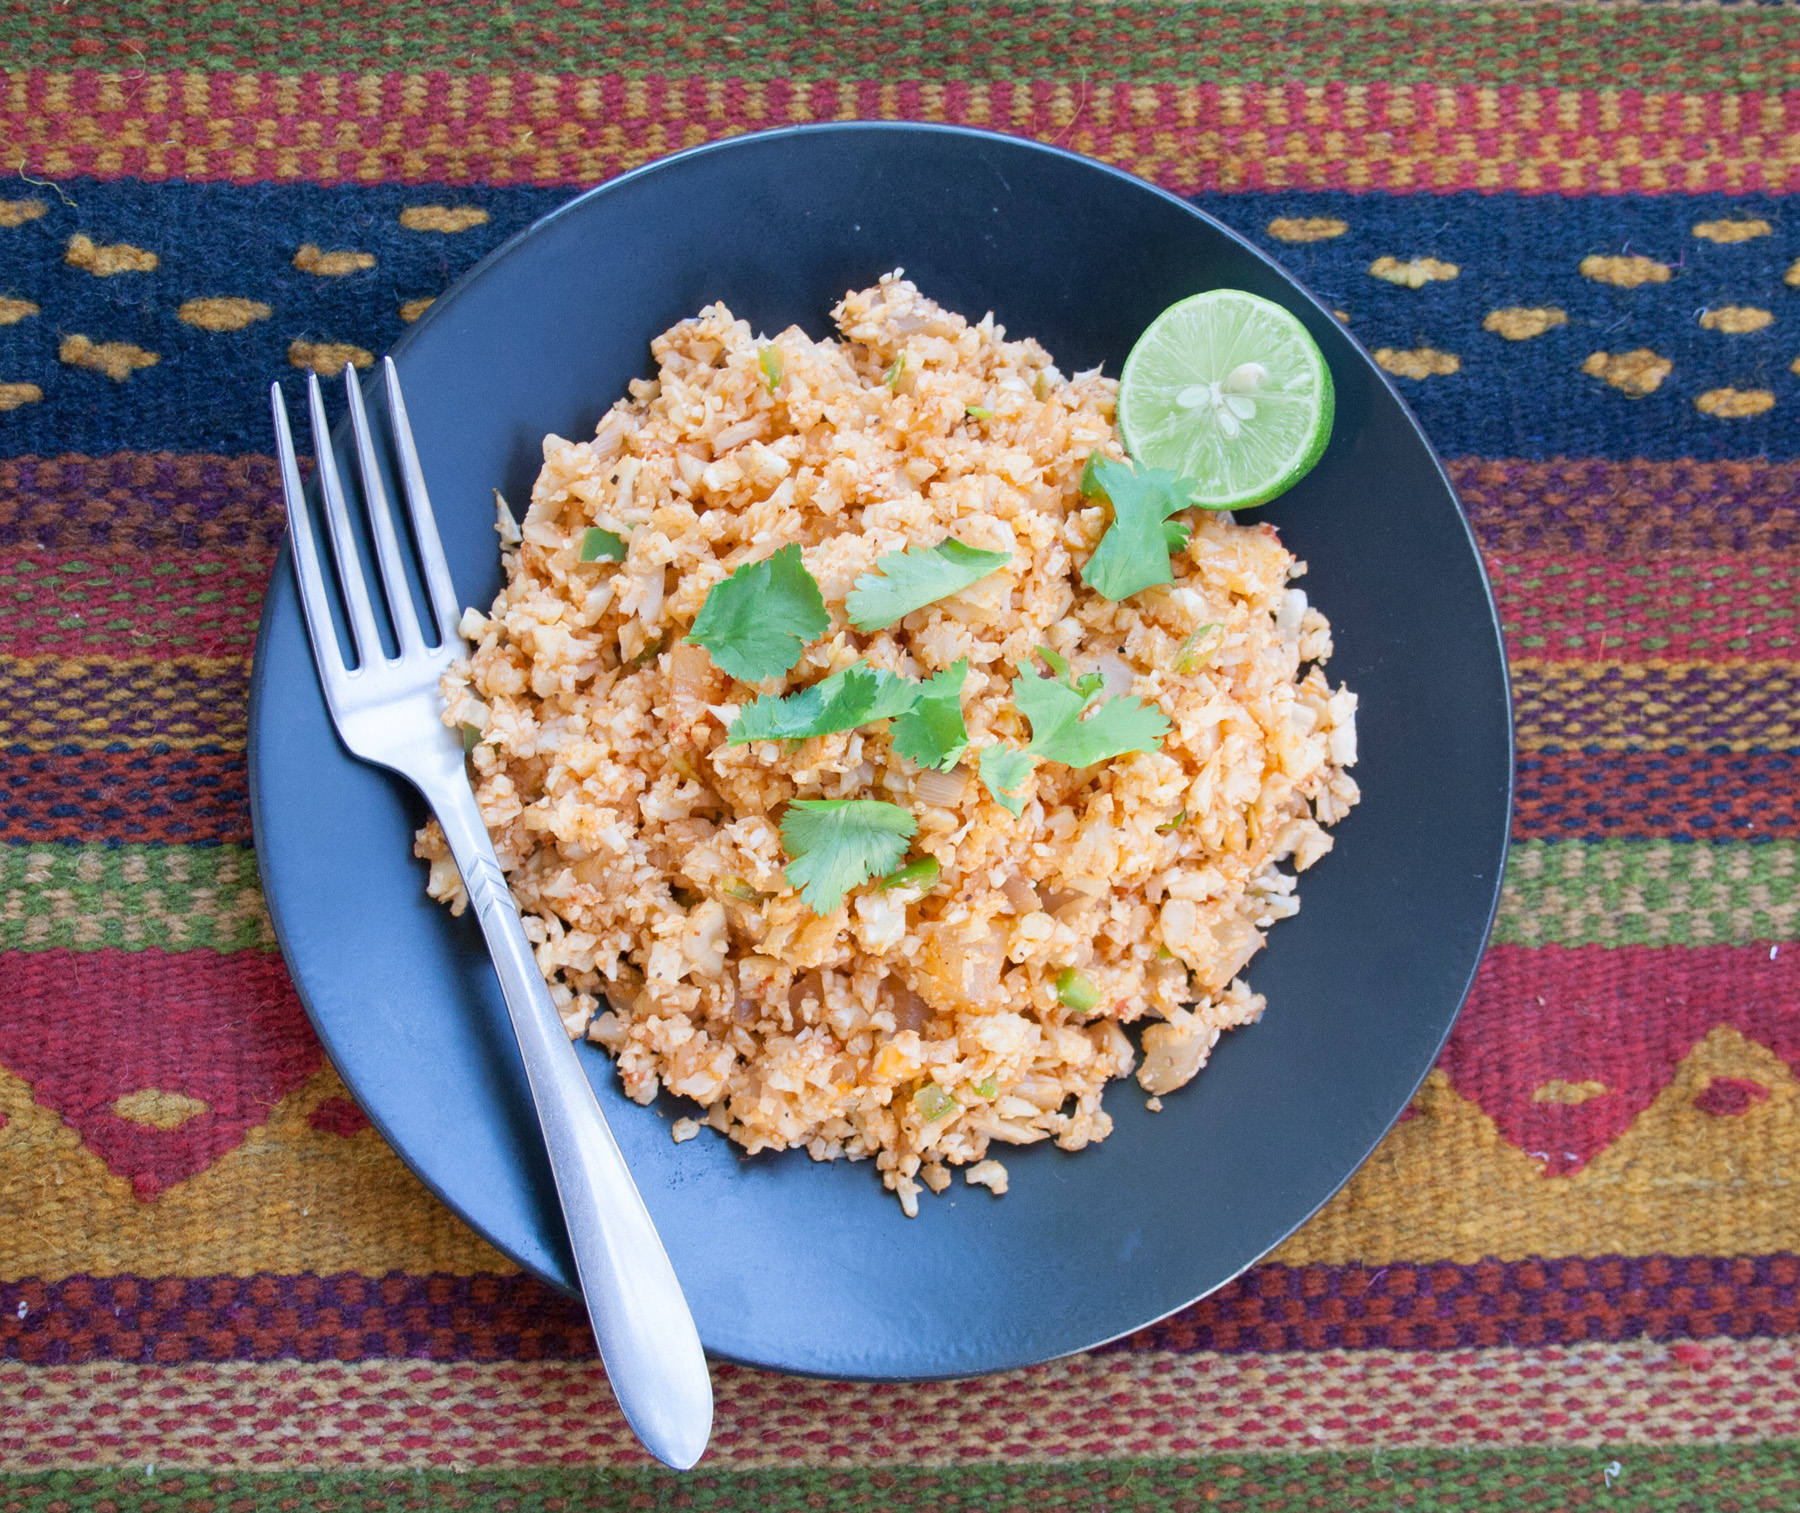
{"type": "Point", "coordinates": [944, 789]}
{"type": "Point", "coordinates": [1117, 674]}
{"type": "Point", "coordinates": [910, 1011]}
{"type": "Point", "coordinates": [504, 522]}
{"type": "Point", "coordinates": [962, 975]}
{"type": "Point", "coordinates": [1020, 894]}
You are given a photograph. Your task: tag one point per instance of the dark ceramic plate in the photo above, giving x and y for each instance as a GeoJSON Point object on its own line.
{"type": "Point", "coordinates": [812, 1268]}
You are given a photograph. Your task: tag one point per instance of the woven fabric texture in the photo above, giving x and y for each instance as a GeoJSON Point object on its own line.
{"type": "Point", "coordinates": [1570, 1276]}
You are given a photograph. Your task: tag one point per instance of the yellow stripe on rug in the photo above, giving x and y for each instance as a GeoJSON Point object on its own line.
{"type": "Point", "coordinates": [402, 1415]}
{"type": "Point", "coordinates": [1443, 1186]}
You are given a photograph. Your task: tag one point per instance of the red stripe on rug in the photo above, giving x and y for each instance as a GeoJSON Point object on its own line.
{"type": "Point", "coordinates": [1556, 605]}
{"type": "Point", "coordinates": [201, 797]}
{"type": "Point", "coordinates": [510, 128]}
{"type": "Point", "coordinates": [1613, 1022]}
{"type": "Point", "coordinates": [124, 797]}
{"type": "Point", "coordinates": [1656, 795]}
{"type": "Point", "coordinates": [111, 600]}
{"type": "Point", "coordinates": [160, 1061]}
{"type": "Point", "coordinates": [1673, 606]}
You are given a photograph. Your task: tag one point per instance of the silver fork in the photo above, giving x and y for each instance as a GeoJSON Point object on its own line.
{"type": "Point", "coordinates": [387, 711]}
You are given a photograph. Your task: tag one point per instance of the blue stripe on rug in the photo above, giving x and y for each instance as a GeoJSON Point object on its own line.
{"type": "Point", "coordinates": [1526, 399]}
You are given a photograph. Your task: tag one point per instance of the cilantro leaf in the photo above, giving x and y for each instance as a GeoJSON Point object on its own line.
{"type": "Point", "coordinates": [1004, 771]}
{"type": "Point", "coordinates": [852, 696]}
{"type": "Point", "coordinates": [1087, 685]}
{"type": "Point", "coordinates": [1059, 734]}
{"type": "Point", "coordinates": [757, 621]}
{"type": "Point", "coordinates": [932, 732]}
{"type": "Point", "coordinates": [921, 575]}
{"type": "Point", "coordinates": [838, 844]}
{"type": "Point", "coordinates": [598, 546]}
{"type": "Point", "coordinates": [1134, 552]}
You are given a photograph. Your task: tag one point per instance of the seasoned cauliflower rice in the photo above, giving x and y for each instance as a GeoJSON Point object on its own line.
{"type": "Point", "coordinates": [646, 854]}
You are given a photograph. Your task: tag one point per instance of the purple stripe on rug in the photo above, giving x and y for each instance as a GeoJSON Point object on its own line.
{"type": "Point", "coordinates": [1581, 504]}
{"type": "Point", "coordinates": [100, 703]}
{"type": "Point", "coordinates": [151, 797]}
{"type": "Point", "coordinates": [152, 501]}
{"type": "Point", "coordinates": [1626, 509]}
{"type": "Point", "coordinates": [1402, 1306]}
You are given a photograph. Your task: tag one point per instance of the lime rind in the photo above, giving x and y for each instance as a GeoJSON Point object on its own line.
{"type": "Point", "coordinates": [1228, 389]}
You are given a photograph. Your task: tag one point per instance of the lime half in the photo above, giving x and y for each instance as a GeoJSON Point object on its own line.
{"type": "Point", "coordinates": [1226, 388]}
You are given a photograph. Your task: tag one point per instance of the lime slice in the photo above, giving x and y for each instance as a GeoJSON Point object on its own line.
{"type": "Point", "coordinates": [1226, 388]}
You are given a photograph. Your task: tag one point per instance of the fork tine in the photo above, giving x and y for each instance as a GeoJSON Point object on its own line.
{"type": "Point", "coordinates": [401, 611]}
{"type": "Point", "coordinates": [326, 651]}
{"type": "Point", "coordinates": [343, 544]}
{"type": "Point", "coordinates": [418, 503]}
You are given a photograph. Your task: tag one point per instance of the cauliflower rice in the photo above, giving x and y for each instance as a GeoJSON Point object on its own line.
{"type": "Point", "coordinates": [645, 854]}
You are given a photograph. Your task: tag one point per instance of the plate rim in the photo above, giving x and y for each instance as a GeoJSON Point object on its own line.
{"type": "Point", "coordinates": [441, 308]}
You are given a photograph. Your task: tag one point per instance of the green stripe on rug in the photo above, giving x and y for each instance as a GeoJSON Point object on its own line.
{"type": "Point", "coordinates": [1648, 893]}
{"type": "Point", "coordinates": [1568, 893]}
{"type": "Point", "coordinates": [169, 898]}
{"type": "Point", "coordinates": [1621, 1479]}
{"type": "Point", "coordinates": [1256, 41]}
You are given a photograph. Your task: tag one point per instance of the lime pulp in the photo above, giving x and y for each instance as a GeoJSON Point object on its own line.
{"type": "Point", "coordinates": [1227, 389]}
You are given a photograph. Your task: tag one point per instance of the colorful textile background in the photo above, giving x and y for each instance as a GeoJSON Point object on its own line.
{"type": "Point", "coordinates": [1569, 1278]}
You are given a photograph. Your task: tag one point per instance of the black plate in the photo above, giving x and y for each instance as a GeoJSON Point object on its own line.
{"type": "Point", "coordinates": [812, 1268]}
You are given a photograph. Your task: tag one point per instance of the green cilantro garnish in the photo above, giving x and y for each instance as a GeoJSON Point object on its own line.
{"type": "Point", "coordinates": [920, 575]}
{"type": "Point", "coordinates": [769, 360]}
{"type": "Point", "coordinates": [1004, 771]}
{"type": "Point", "coordinates": [1059, 734]}
{"type": "Point", "coordinates": [922, 873]}
{"type": "Point", "coordinates": [1134, 552]}
{"type": "Point", "coordinates": [932, 732]}
{"type": "Point", "coordinates": [756, 622]}
{"type": "Point", "coordinates": [1087, 685]}
{"type": "Point", "coordinates": [852, 696]}
{"type": "Point", "coordinates": [601, 546]}
{"type": "Point", "coordinates": [839, 844]}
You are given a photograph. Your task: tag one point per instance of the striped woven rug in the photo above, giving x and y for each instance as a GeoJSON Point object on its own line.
{"type": "Point", "coordinates": [1567, 1279]}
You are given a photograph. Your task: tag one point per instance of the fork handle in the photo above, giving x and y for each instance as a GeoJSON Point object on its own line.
{"type": "Point", "coordinates": [646, 1332]}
